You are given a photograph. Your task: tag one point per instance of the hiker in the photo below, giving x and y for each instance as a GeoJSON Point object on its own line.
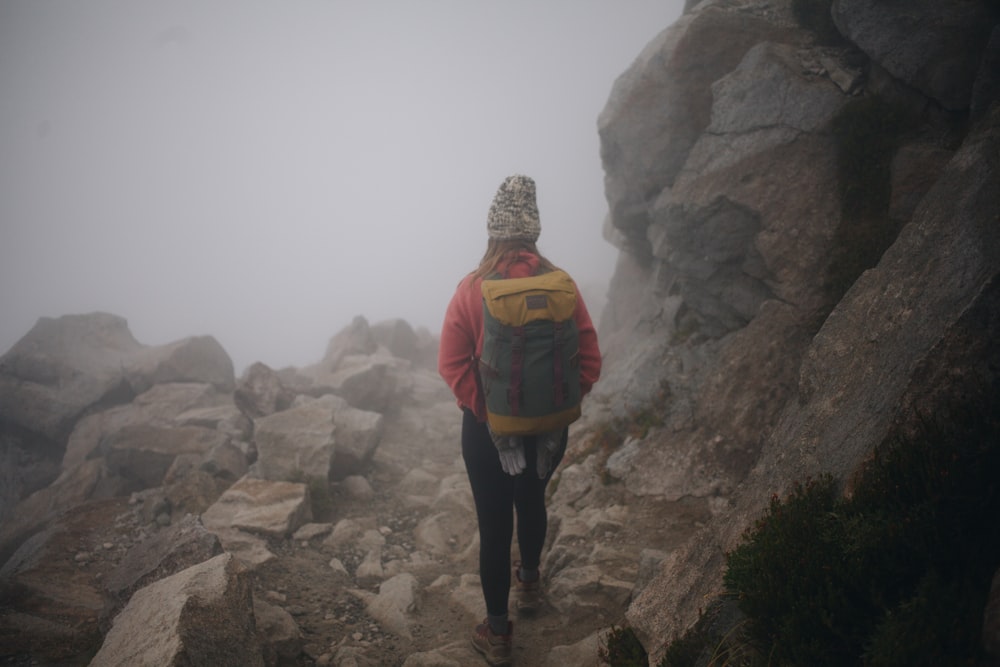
{"type": "Point", "coordinates": [508, 473]}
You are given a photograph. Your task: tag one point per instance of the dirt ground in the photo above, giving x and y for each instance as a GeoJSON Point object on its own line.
{"type": "Point", "coordinates": [326, 604]}
{"type": "Point", "coordinates": [330, 616]}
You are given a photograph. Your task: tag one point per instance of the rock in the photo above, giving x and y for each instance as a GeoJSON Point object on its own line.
{"type": "Point", "coordinates": [298, 443]}
{"type": "Point", "coordinates": [194, 359]}
{"type": "Point", "coordinates": [915, 168]}
{"type": "Point", "coordinates": [225, 417]}
{"type": "Point", "coordinates": [142, 453]}
{"type": "Point", "coordinates": [202, 615]}
{"type": "Point", "coordinates": [574, 590]}
{"type": "Point", "coordinates": [649, 564]}
{"type": "Point", "coordinates": [418, 482]}
{"type": "Point", "coordinates": [323, 439]}
{"type": "Point", "coordinates": [347, 532]}
{"type": "Point", "coordinates": [468, 594]}
{"type": "Point", "coordinates": [357, 487]}
{"type": "Point", "coordinates": [371, 544]}
{"type": "Point", "coordinates": [583, 653]}
{"type": "Point", "coordinates": [62, 368]}
{"type": "Point", "coordinates": [224, 461]}
{"type": "Point", "coordinates": [935, 47]}
{"type": "Point", "coordinates": [161, 406]}
{"type": "Point", "coordinates": [281, 638]}
{"type": "Point", "coordinates": [354, 339]}
{"type": "Point", "coordinates": [398, 337]}
{"type": "Point", "coordinates": [446, 533]}
{"type": "Point", "coordinates": [311, 531]}
{"type": "Point", "coordinates": [375, 382]}
{"type": "Point", "coordinates": [260, 392]}
{"type": "Point", "coordinates": [359, 433]}
{"type": "Point", "coordinates": [575, 481]}
{"type": "Point", "coordinates": [669, 85]}
{"type": "Point", "coordinates": [396, 600]}
{"type": "Point", "coordinates": [165, 553]}
{"type": "Point", "coordinates": [262, 507]}
{"type": "Point", "coordinates": [251, 550]}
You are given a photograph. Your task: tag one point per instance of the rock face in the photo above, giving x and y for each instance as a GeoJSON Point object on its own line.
{"type": "Point", "coordinates": [810, 254]}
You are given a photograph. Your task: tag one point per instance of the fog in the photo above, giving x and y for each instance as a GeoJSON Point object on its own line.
{"type": "Point", "coordinates": [263, 172]}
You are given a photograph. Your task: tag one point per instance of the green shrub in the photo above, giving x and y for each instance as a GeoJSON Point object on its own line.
{"type": "Point", "coordinates": [788, 578]}
{"type": "Point", "coordinates": [621, 648]}
{"type": "Point", "coordinates": [716, 640]}
{"type": "Point", "coordinates": [895, 575]}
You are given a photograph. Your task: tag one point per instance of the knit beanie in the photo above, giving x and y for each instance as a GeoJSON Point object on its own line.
{"type": "Point", "coordinates": [514, 211]}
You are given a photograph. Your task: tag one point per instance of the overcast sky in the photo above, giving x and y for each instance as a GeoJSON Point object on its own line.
{"type": "Point", "coordinates": [263, 172]}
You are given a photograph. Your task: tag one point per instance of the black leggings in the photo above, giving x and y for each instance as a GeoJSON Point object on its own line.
{"type": "Point", "coordinates": [497, 495]}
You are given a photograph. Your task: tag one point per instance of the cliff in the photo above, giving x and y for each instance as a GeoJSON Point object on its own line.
{"type": "Point", "coordinates": [805, 197]}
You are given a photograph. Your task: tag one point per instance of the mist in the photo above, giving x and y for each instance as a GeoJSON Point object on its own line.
{"type": "Point", "coordinates": [265, 172]}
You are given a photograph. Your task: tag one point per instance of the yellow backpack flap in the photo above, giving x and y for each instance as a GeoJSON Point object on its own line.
{"type": "Point", "coordinates": [517, 301]}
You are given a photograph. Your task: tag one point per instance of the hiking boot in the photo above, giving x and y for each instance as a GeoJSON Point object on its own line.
{"type": "Point", "coordinates": [527, 594]}
{"type": "Point", "coordinates": [495, 648]}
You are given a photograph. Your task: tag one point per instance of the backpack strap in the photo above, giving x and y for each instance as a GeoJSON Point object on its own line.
{"type": "Point", "coordinates": [516, 370]}
{"type": "Point", "coordinates": [557, 344]}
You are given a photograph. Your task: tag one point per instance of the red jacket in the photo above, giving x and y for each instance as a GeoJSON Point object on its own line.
{"type": "Point", "coordinates": [462, 338]}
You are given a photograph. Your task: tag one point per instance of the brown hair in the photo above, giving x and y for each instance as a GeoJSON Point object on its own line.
{"type": "Point", "coordinates": [502, 251]}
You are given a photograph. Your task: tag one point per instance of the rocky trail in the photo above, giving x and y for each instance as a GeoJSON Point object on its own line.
{"type": "Point", "coordinates": [406, 591]}
{"type": "Point", "coordinates": [315, 516]}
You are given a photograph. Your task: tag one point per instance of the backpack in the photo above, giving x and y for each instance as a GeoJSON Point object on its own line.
{"type": "Point", "coordinates": [530, 364]}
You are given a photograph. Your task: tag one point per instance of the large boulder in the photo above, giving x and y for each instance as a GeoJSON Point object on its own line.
{"type": "Point", "coordinates": [669, 85]}
{"type": "Point", "coordinates": [260, 507]}
{"type": "Point", "coordinates": [398, 337]}
{"type": "Point", "coordinates": [143, 453]}
{"type": "Point", "coordinates": [298, 443]}
{"type": "Point", "coordinates": [162, 554]}
{"type": "Point", "coordinates": [202, 615]}
{"type": "Point", "coordinates": [933, 46]}
{"type": "Point", "coordinates": [63, 367]}
{"type": "Point", "coordinates": [323, 438]}
{"type": "Point", "coordinates": [354, 339]}
{"type": "Point", "coordinates": [260, 392]}
{"type": "Point", "coordinates": [159, 406]}
{"type": "Point", "coordinates": [192, 359]}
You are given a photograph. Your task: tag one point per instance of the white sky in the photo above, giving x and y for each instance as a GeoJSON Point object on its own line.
{"type": "Point", "coordinates": [265, 171]}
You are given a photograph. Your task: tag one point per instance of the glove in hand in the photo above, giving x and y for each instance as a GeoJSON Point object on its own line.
{"type": "Point", "coordinates": [546, 445]}
{"type": "Point", "coordinates": [511, 450]}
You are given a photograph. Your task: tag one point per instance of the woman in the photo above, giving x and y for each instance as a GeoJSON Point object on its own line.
{"type": "Point", "coordinates": [513, 228]}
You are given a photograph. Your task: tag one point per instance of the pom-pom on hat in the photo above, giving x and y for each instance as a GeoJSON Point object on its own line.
{"type": "Point", "coordinates": [514, 211]}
